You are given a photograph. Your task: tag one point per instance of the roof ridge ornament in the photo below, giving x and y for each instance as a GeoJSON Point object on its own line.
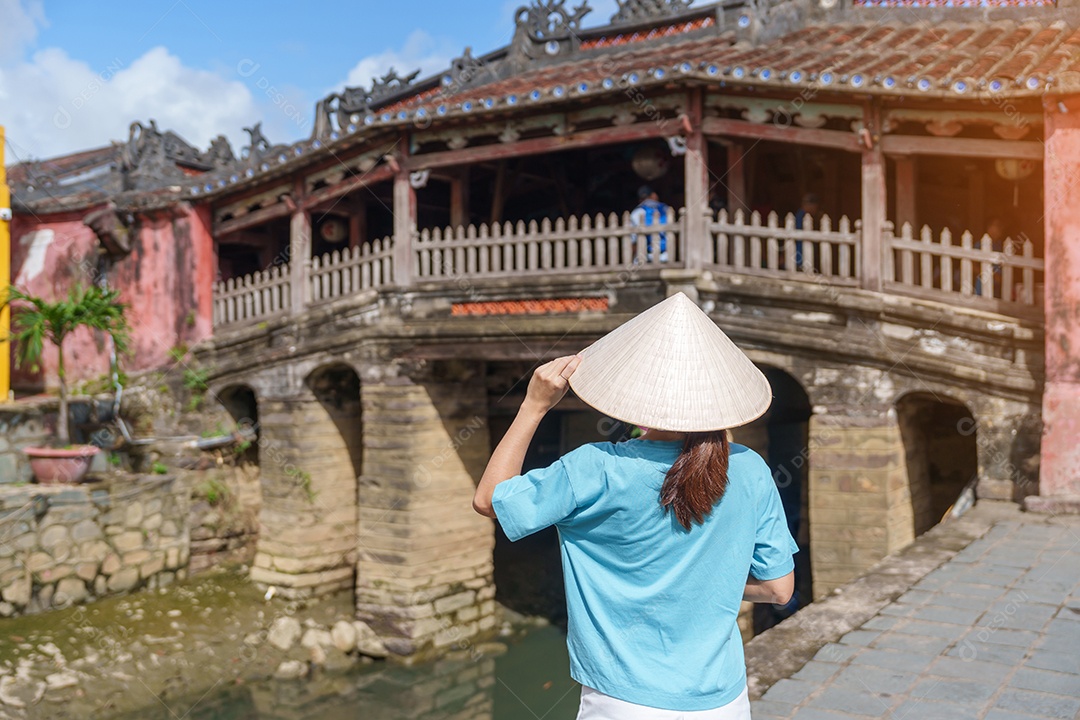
{"type": "Point", "coordinates": [632, 11]}
{"type": "Point", "coordinates": [546, 27]}
{"type": "Point", "coordinates": [343, 111]}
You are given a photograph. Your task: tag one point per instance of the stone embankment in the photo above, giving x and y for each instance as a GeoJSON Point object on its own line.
{"type": "Point", "coordinates": [68, 544]}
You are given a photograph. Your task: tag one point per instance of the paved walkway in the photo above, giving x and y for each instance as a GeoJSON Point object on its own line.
{"type": "Point", "coordinates": [993, 633]}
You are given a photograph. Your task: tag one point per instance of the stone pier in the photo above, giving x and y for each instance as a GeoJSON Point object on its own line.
{"type": "Point", "coordinates": [861, 505]}
{"type": "Point", "coordinates": [309, 451]}
{"type": "Point", "coordinates": [424, 572]}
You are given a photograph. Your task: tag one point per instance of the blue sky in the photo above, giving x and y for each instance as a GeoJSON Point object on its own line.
{"type": "Point", "coordinates": [74, 74]}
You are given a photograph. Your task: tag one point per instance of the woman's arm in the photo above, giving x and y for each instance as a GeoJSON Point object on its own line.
{"type": "Point", "coordinates": [546, 389]}
{"type": "Point", "coordinates": [777, 592]}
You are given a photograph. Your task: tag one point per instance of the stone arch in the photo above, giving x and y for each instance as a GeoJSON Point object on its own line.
{"type": "Point", "coordinates": [781, 437]}
{"type": "Point", "coordinates": [940, 440]}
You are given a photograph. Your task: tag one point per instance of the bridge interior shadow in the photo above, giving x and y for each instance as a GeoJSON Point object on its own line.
{"type": "Point", "coordinates": [781, 437]}
{"type": "Point", "coordinates": [528, 573]}
{"type": "Point", "coordinates": [240, 402]}
{"type": "Point", "coordinates": [941, 450]}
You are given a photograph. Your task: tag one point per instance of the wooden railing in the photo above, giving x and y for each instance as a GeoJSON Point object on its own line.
{"type": "Point", "coordinates": [1006, 279]}
{"type": "Point", "coordinates": [600, 243]}
{"type": "Point", "coordinates": [348, 271]}
{"type": "Point", "coordinates": [771, 249]}
{"type": "Point", "coordinates": [252, 298]}
{"type": "Point", "coordinates": [972, 271]}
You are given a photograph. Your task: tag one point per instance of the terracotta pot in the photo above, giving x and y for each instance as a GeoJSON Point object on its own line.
{"type": "Point", "coordinates": [59, 465]}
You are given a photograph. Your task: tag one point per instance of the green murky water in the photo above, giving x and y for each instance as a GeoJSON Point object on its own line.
{"type": "Point", "coordinates": [529, 680]}
{"type": "Point", "coordinates": [183, 653]}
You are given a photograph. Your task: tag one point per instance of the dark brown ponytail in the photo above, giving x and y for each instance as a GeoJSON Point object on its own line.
{"type": "Point", "coordinates": [698, 478]}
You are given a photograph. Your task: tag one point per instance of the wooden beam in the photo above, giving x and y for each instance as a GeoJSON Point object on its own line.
{"type": "Point", "coordinates": [874, 201]}
{"type": "Point", "coordinates": [357, 224]}
{"type": "Point", "coordinates": [962, 147]}
{"type": "Point", "coordinates": [379, 174]}
{"type": "Point", "coordinates": [536, 146]}
{"type": "Point", "coordinates": [803, 136]}
{"type": "Point", "coordinates": [255, 217]}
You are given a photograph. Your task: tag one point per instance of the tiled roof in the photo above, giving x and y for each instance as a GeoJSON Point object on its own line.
{"type": "Point", "coordinates": [953, 59]}
{"type": "Point", "coordinates": [531, 307]}
{"type": "Point", "coordinates": [26, 172]}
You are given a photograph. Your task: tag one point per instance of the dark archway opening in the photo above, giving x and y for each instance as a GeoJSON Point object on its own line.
{"type": "Point", "coordinates": [240, 402]}
{"type": "Point", "coordinates": [337, 389]}
{"type": "Point", "coordinates": [528, 573]}
{"type": "Point", "coordinates": [941, 451]}
{"type": "Point", "coordinates": [781, 437]}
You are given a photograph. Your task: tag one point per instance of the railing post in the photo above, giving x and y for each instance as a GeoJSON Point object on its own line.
{"type": "Point", "coordinates": [404, 227]}
{"type": "Point", "coordinates": [299, 252]}
{"type": "Point", "coordinates": [873, 201]}
{"type": "Point", "coordinates": [696, 185]}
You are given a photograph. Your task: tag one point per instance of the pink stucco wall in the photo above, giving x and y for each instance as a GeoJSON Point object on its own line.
{"type": "Point", "coordinates": [1060, 469]}
{"type": "Point", "coordinates": [166, 280]}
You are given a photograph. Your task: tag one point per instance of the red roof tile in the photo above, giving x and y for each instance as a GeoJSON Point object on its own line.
{"type": "Point", "coordinates": [531, 307]}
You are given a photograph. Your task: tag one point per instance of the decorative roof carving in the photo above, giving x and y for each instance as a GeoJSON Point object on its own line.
{"type": "Point", "coordinates": [549, 19]}
{"type": "Point", "coordinates": [631, 11]}
{"type": "Point", "coordinates": [335, 111]}
{"type": "Point", "coordinates": [546, 27]}
{"type": "Point", "coordinates": [151, 156]}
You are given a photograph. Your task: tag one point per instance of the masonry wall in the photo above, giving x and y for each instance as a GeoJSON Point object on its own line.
{"type": "Point", "coordinates": [70, 544]}
{"type": "Point", "coordinates": [424, 573]}
{"type": "Point", "coordinates": [308, 449]}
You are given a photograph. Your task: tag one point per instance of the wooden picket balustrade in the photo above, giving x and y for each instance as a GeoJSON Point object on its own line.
{"type": "Point", "coordinates": [744, 245]}
{"type": "Point", "coordinates": [252, 298]}
{"type": "Point", "coordinates": [573, 245]}
{"type": "Point", "coordinates": [350, 270]}
{"type": "Point", "coordinates": [934, 266]}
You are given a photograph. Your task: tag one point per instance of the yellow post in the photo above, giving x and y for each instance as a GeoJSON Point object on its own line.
{"type": "Point", "coordinates": [5, 276]}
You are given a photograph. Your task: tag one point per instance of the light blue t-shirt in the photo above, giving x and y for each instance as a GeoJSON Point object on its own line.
{"type": "Point", "coordinates": [652, 607]}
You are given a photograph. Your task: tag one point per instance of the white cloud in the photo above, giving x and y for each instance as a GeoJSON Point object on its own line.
{"type": "Point", "coordinates": [420, 50]}
{"type": "Point", "coordinates": [55, 104]}
{"type": "Point", "coordinates": [19, 23]}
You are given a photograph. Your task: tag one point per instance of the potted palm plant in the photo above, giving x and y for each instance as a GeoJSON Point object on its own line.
{"type": "Point", "coordinates": [37, 320]}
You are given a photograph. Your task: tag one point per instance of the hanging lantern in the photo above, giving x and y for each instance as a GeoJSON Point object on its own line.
{"type": "Point", "coordinates": [651, 161]}
{"type": "Point", "coordinates": [333, 230]}
{"type": "Point", "coordinates": [1014, 169]}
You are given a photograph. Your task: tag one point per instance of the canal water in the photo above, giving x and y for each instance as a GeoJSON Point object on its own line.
{"type": "Point", "coordinates": [529, 680]}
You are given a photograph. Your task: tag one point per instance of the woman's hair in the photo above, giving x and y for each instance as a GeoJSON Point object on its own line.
{"type": "Point", "coordinates": [698, 478]}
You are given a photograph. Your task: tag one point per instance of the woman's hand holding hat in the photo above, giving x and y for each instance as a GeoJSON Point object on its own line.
{"type": "Point", "coordinates": [549, 383]}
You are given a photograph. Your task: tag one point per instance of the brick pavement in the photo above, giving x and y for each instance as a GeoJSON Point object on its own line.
{"type": "Point", "coordinates": [991, 634]}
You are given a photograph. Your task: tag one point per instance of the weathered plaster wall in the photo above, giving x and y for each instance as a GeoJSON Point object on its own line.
{"type": "Point", "coordinates": [1060, 474]}
{"type": "Point", "coordinates": [167, 281]}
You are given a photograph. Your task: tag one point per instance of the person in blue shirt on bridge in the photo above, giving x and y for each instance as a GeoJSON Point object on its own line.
{"type": "Point", "coordinates": [662, 536]}
{"type": "Point", "coordinates": [650, 211]}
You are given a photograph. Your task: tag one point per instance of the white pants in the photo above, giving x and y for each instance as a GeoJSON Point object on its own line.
{"type": "Point", "coordinates": [595, 705]}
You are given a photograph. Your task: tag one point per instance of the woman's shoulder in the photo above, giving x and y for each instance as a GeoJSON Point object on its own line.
{"type": "Point", "coordinates": [744, 461]}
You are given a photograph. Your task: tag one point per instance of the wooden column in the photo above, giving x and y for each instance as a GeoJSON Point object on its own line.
{"type": "Point", "coordinates": [299, 250]}
{"type": "Point", "coordinates": [873, 201]}
{"type": "Point", "coordinates": [459, 198]}
{"type": "Point", "coordinates": [736, 177]}
{"type": "Point", "coordinates": [696, 186]}
{"type": "Point", "coordinates": [905, 190]}
{"type": "Point", "coordinates": [357, 223]}
{"type": "Point", "coordinates": [404, 227]}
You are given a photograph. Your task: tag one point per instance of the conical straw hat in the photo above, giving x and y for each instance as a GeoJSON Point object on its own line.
{"type": "Point", "coordinates": [671, 368]}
